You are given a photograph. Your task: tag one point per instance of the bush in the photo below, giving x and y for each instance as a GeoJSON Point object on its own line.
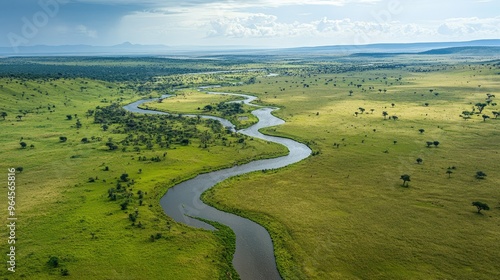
{"type": "Point", "coordinates": [53, 261]}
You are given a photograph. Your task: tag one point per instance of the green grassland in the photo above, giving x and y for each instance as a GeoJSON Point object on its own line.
{"type": "Point", "coordinates": [344, 214]}
{"type": "Point", "coordinates": [189, 101]}
{"type": "Point", "coordinates": [62, 213]}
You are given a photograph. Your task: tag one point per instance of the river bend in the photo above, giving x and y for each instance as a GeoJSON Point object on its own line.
{"type": "Point", "coordinates": [254, 254]}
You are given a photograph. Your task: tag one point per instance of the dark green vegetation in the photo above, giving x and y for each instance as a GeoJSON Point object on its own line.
{"type": "Point", "coordinates": [90, 174]}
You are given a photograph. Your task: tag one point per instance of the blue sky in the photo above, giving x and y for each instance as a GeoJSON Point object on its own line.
{"type": "Point", "coordinates": [250, 23]}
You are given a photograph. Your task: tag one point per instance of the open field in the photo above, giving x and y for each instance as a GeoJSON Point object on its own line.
{"type": "Point", "coordinates": [64, 207]}
{"type": "Point", "coordinates": [344, 214]}
{"type": "Point", "coordinates": [190, 101]}
{"type": "Point", "coordinates": [340, 214]}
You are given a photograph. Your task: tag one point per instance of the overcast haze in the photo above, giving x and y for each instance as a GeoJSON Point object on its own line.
{"type": "Point", "coordinates": [255, 23]}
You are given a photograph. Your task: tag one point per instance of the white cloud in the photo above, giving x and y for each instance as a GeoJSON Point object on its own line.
{"type": "Point", "coordinates": [467, 26]}
{"type": "Point", "coordinates": [82, 29]}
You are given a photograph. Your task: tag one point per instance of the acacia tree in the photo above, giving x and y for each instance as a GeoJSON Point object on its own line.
{"type": "Point", "coordinates": [480, 206]}
{"type": "Point", "coordinates": [419, 160]}
{"type": "Point", "coordinates": [480, 107]}
{"type": "Point", "coordinates": [480, 175]}
{"type": "Point", "coordinates": [449, 172]}
{"type": "Point", "coordinates": [406, 179]}
{"type": "Point", "coordinates": [421, 130]}
{"type": "Point", "coordinates": [23, 144]}
{"type": "Point", "coordinates": [385, 114]}
{"type": "Point", "coordinates": [4, 114]}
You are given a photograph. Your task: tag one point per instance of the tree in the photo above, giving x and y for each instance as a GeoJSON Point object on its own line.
{"type": "Point", "coordinates": [480, 206]}
{"type": "Point", "coordinates": [19, 117]}
{"type": "Point", "coordinates": [362, 110]}
{"type": "Point", "coordinates": [63, 138]}
{"type": "Point", "coordinates": [480, 175]}
{"type": "Point", "coordinates": [111, 145]}
{"type": "Point", "coordinates": [421, 130]}
{"type": "Point", "coordinates": [124, 205]}
{"type": "Point", "coordinates": [429, 143]}
{"type": "Point", "coordinates": [385, 114]}
{"type": "Point", "coordinates": [78, 123]}
{"type": "Point", "coordinates": [351, 92]}
{"type": "Point", "coordinates": [485, 117]}
{"type": "Point", "coordinates": [208, 108]}
{"type": "Point", "coordinates": [419, 160]}
{"type": "Point", "coordinates": [4, 114]}
{"type": "Point", "coordinates": [23, 144]}
{"type": "Point", "coordinates": [394, 117]}
{"type": "Point", "coordinates": [480, 107]}
{"type": "Point", "coordinates": [105, 127]}
{"type": "Point", "coordinates": [449, 172]}
{"type": "Point", "coordinates": [405, 178]}
{"type": "Point", "coordinates": [69, 117]}
{"type": "Point", "coordinates": [124, 177]}
{"type": "Point", "coordinates": [19, 169]}
{"type": "Point", "coordinates": [495, 113]}
{"type": "Point", "coordinates": [436, 143]}
{"type": "Point", "coordinates": [53, 261]}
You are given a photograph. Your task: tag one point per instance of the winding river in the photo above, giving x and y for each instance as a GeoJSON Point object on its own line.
{"type": "Point", "coordinates": [254, 255]}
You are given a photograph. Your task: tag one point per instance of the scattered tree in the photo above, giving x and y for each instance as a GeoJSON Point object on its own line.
{"type": "Point", "coordinates": [53, 262]}
{"type": "Point", "coordinates": [419, 160]}
{"type": "Point", "coordinates": [405, 178]}
{"type": "Point", "coordinates": [480, 175]}
{"type": "Point", "coordinates": [63, 138]}
{"type": "Point", "coordinates": [4, 114]}
{"type": "Point", "coordinates": [449, 172]}
{"type": "Point", "coordinates": [421, 130]}
{"type": "Point", "coordinates": [485, 117]}
{"type": "Point", "coordinates": [69, 117]}
{"type": "Point", "coordinates": [385, 114]}
{"type": "Point", "coordinates": [23, 144]}
{"type": "Point", "coordinates": [436, 143]}
{"type": "Point", "coordinates": [124, 177]}
{"type": "Point", "coordinates": [480, 206]}
{"type": "Point", "coordinates": [480, 107]}
{"type": "Point", "coordinates": [78, 123]}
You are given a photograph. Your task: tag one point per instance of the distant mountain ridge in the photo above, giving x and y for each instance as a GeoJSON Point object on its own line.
{"type": "Point", "coordinates": [128, 48]}
{"type": "Point", "coordinates": [123, 48]}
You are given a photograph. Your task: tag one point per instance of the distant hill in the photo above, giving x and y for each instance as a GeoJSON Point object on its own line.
{"type": "Point", "coordinates": [137, 49]}
{"type": "Point", "coordinates": [466, 51]}
{"type": "Point", "coordinates": [393, 48]}
{"type": "Point", "coordinates": [124, 48]}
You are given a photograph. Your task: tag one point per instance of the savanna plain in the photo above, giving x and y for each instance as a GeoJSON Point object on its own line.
{"type": "Point", "coordinates": [402, 147]}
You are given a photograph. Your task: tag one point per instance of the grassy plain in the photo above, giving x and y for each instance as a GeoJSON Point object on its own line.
{"type": "Point", "coordinates": [61, 213]}
{"type": "Point", "coordinates": [344, 214]}
{"type": "Point", "coordinates": [191, 101]}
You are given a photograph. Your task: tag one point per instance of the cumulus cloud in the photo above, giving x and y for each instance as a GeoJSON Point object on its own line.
{"type": "Point", "coordinates": [351, 31]}
{"type": "Point", "coordinates": [466, 26]}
